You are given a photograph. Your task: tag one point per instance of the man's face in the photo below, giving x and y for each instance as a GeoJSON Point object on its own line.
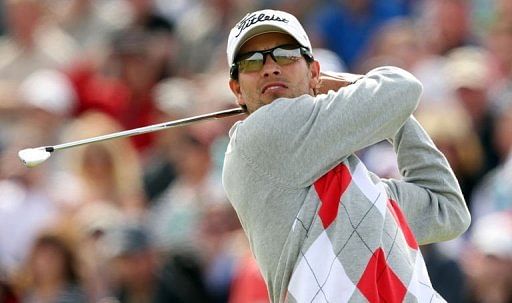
{"type": "Point", "coordinates": [258, 88]}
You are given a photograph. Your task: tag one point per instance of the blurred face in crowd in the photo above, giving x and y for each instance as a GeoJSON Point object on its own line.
{"type": "Point", "coordinates": [399, 40]}
{"type": "Point", "coordinates": [474, 101]}
{"type": "Point", "coordinates": [258, 88]}
{"type": "Point", "coordinates": [135, 270]}
{"type": "Point", "coordinates": [139, 71]}
{"type": "Point", "coordinates": [52, 262]}
{"type": "Point", "coordinates": [489, 277]}
{"type": "Point", "coordinates": [23, 18]}
{"type": "Point", "coordinates": [452, 22]}
{"type": "Point", "coordinates": [48, 262]}
{"type": "Point", "coordinates": [97, 162]}
{"type": "Point", "coordinates": [193, 159]}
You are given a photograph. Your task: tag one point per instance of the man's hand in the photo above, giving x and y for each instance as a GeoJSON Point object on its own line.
{"type": "Point", "coordinates": [334, 81]}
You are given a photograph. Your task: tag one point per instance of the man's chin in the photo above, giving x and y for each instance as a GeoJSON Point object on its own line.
{"type": "Point", "coordinates": [270, 97]}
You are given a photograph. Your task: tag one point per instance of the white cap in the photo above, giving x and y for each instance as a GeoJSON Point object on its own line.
{"type": "Point", "coordinates": [492, 234]}
{"type": "Point", "coordinates": [265, 21]}
{"type": "Point", "coordinates": [467, 67]}
{"type": "Point", "coordinates": [49, 90]}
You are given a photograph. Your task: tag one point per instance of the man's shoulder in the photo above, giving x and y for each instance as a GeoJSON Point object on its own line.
{"type": "Point", "coordinates": [272, 124]}
{"type": "Point", "coordinates": [233, 129]}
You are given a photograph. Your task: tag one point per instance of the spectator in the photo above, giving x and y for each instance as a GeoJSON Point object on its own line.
{"type": "Point", "coordinates": [399, 42]}
{"type": "Point", "coordinates": [346, 27]}
{"type": "Point", "coordinates": [44, 101]}
{"type": "Point", "coordinates": [201, 28]}
{"type": "Point", "coordinates": [499, 43]}
{"type": "Point", "coordinates": [160, 31]}
{"type": "Point", "coordinates": [445, 273]}
{"type": "Point", "coordinates": [175, 98]}
{"type": "Point", "coordinates": [450, 128]}
{"type": "Point", "coordinates": [469, 78]}
{"type": "Point", "coordinates": [104, 172]}
{"type": "Point", "coordinates": [223, 246]}
{"type": "Point", "coordinates": [248, 285]}
{"type": "Point", "coordinates": [488, 260]}
{"type": "Point", "coordinates": [94, 224]}
{"type": "Point", "coordinates": [122, 87]}
{"type": "Point", "coordinates": [90, 23]}
{"type": "Point", "coordinates": [26, 201]}
{"type": "Point", "coordinates": [395, 42]}
{"type": "Point", "coordinates": [494, 192]}
{"type": "Point", "coordinates": [177, 211]}
{"type": "Point", "coordinates": [31, 42]}
{"type": "Point", "coordinates": [136, 268]}
{"type": "Point", "coordinates": [52, 271]}
{"type": "Point", "coordinates": [447, 25]}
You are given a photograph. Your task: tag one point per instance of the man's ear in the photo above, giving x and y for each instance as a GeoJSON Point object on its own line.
{"type": "Point", "coordinates": [315, 74]}
{"type": "Point", "coordinates": [234, 85]}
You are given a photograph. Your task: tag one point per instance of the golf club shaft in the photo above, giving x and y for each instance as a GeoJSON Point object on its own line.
{"type": "Point", "coordinates": [148, 129]}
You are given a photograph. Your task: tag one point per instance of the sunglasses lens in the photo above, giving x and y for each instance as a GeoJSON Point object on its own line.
{"type": "Point", "coordinates": [251, 64]}
{"type": "Point", "coordinates": [286, 56]}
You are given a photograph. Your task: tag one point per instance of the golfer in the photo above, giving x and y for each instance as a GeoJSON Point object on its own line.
{"type": "Point", "coordinates": [321, 226]}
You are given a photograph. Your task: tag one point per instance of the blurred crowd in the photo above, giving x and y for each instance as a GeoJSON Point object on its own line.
{"type": "Point", "coordinates": [145, 219]}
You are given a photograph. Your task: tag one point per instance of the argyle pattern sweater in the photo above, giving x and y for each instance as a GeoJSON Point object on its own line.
{"type": "Point", "coordinates": [321, 226]}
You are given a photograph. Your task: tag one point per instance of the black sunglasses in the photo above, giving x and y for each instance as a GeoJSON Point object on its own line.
{"type": "Point", "coordinates": [282, 55]}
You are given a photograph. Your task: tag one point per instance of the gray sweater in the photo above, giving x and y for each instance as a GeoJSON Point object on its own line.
{"type": "Point", "coordinates": [321, 227]}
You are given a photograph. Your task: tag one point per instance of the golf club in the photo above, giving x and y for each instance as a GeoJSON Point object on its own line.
{"type": "Point", "coordinates": [33, 156]}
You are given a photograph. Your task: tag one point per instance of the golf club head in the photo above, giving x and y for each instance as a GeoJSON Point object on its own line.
{"type": "Point", "coordinates": [33, 156]}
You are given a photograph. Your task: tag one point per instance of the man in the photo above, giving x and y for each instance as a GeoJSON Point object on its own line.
{"type": "Point", "coordinates": [323, 228]}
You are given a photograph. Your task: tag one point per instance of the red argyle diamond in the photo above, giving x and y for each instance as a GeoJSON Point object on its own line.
{"type": "Point", "coordinates": [379, 283]}
{"type": "Point", "coordinates": [395, 209]}
{"type": "Point", "coordinates": [329, 188]}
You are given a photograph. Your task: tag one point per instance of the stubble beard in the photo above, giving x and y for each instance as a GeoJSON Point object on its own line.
{"type": "Point", "coordinates": [259, 102]}
{"type": "Point", "coordinates": [269, 98]}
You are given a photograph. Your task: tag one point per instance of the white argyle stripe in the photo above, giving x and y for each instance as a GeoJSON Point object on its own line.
{"type": "Point", "coordinates": [296, 219]}
{"type": "Point", "coordinates": [374, 192]}
{"type": "Point", "coordinates": [319, 276]}
{"type": "Point", "coordinates": [420, 285]}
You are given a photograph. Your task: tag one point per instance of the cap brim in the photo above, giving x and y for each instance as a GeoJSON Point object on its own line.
{"type": "Point", "coordinates": [256, 31]}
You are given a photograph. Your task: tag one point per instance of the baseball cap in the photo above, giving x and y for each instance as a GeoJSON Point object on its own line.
{"type": "Point", "coordinates": [492, 234]}
{"type": "Point", "coordinates": [264, 21]}
{"type": "Point", "coordinates": [467, 67]}
{"type": "Point", "coordinates": [128, 239]}
{"type": "Point", "coordinates": [49, 90]}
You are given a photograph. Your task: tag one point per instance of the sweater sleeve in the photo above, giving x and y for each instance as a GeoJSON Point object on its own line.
{"type": "Point", "coordinates": [429, 194]}
{"type": "Point", "coordinates": [295, 141]}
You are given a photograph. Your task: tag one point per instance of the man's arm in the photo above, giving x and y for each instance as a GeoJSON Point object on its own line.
{"type": "Point", "coordinates": [293, 142]}
{"type": "Point", "coordinates": [429, 194]}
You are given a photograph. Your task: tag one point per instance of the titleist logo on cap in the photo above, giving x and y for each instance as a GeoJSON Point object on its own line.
{"type": "Point", "coordinates": [250, 20]}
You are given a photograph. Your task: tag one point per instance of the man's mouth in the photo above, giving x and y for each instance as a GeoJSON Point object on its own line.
{"type": "Point", "coordinates": [274, 86]}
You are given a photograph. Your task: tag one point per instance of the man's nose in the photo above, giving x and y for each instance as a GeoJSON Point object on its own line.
{"type": "Point", "coordinates": [270, 67]}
